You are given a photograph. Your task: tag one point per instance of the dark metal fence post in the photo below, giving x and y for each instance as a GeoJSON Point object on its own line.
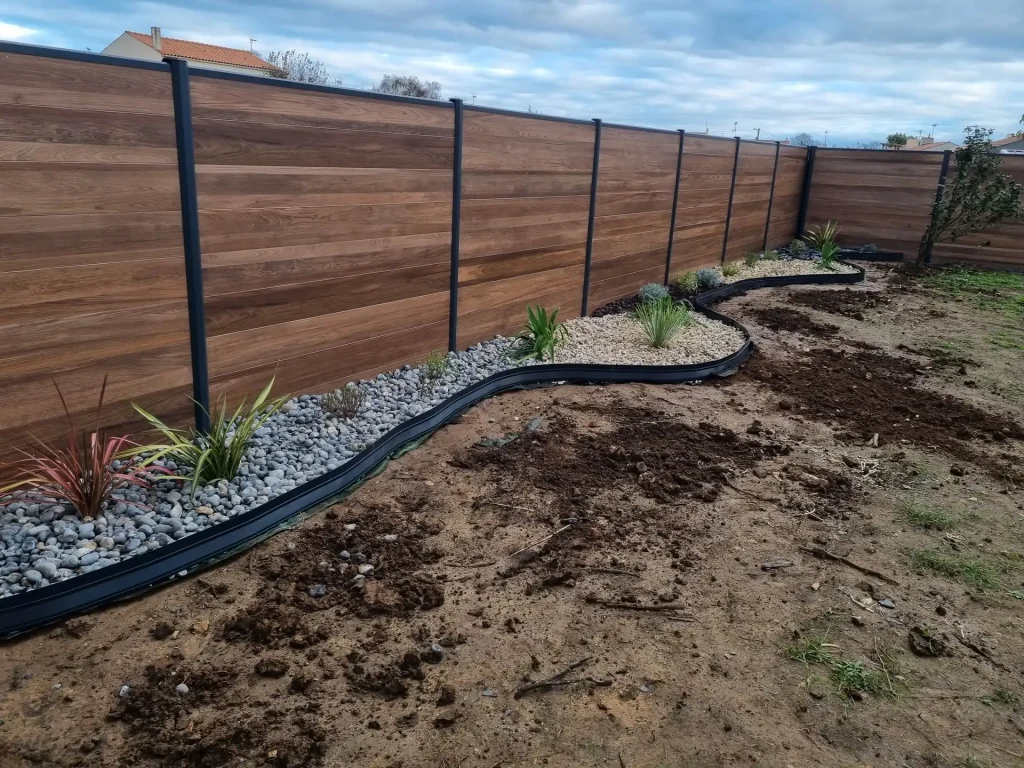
{"type": "Point", "coordinates": [453, 281]}
{"type": "Point", "coordinates": [675, 207]}
{"type": "Point", "coordinates": [805, 191]}
{"type": "Point", "coordinates": [593, 211]}
{"type": "Point", "coordinates": [771, 198]}
{"type": "Point", "coordinates": [732, 193]}
{"type": "Point", "coordinates": [943, 172]}
{"type": "Point", "coordinates": [190, 233]}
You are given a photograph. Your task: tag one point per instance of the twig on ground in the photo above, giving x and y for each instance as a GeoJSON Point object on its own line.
{"type": "Point", "coordinates": [482, 564]}
{"type": "Point", "coordinates": [663, 607]}
{"type": "Point", "coordinates": [505, 506]}
{"type": "Point", "coordinates": [538, 543]}
{"type": "Point", "coordinates": [983, 652]}
{"type": "Point", "coordinates": [595, 569]}
{"type": "Point", "coordinates": [751, 494]}
{"type": "Point", "coordinates": [1008, 752]}
{"type": "Point", "coordinates": [826, 555]}
{"type": "Point", "coordinates": [555, 680]}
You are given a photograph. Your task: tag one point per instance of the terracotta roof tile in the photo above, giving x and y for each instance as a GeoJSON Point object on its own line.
{"type": "Point", "coordinates": [1007, 140]}
{"type": "Point", "coordinates": [215, 54]}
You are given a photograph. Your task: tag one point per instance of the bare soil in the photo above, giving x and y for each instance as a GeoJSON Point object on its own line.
{"type": "Point", "coordinates": [667, 596]}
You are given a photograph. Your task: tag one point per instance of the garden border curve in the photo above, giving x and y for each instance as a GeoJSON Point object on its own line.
{"type": "Point", "coordinates": [129, 578]}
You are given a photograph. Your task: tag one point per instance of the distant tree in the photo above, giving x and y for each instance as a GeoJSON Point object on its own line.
{"type": "Point", "coordinates": [978, 195]}
{"type": "Point", "coordinates": [803, 140]}
{"type": "Point", "coordinates": [408, 85]}
{"type": "Point", "coordinates": [869, 145]}
{"type": "Point", "coordinates": [897, 139]}
{"type": "Point", "coordinates": [1021, 133]}
{"type": "Point", "coordinates": [289, 65]}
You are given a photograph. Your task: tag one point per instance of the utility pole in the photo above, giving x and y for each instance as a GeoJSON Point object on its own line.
{"type": "Point", "coordinates": [735, 123]}
{"type": "Point", "coordinates": [251, 41]}
{"type": "Point", "coordinates": [933, 129]}
{"type": "Point", "coordinates": [826, 138]}
{"type": "Point", "coordinates": [758, 137]}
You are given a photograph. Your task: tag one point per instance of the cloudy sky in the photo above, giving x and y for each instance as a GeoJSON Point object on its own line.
{"type": "Point", "coordinates": [858, 69]}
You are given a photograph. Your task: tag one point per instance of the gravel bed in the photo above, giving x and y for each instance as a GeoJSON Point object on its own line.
{"type": "Point", "coordinates": [783, 268]}
{"type": "Point", "coordinates": [43, 544]}
{"type": "Point", "coordinates": [619, 339]}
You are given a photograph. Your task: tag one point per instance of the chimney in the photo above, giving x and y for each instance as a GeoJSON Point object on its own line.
{"type": "Point", "coordinates": [157, 41]}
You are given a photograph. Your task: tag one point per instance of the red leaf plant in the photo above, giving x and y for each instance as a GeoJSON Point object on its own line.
{"type": "Point", "coordinates": [81, 473]}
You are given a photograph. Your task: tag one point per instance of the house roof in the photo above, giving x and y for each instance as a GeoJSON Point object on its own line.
{"type": "Point", "coordinates": [934, 146]}
{"type": "Point", "coordinates": [215, 54]}
{"type": "Point", "coordinates": [1007, 140]}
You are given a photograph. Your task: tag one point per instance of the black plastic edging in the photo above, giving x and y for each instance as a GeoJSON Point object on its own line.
{"type": "Point", "coordinates": [805, 192]}
{"type": "Point", "coordinates": [883, 256]}
{"type": "Point", "coordinates": [182, 97]}
{"type": "Point", "coordinates": [732, 193]}
{"type": "Point", "coordinates": [729, 289]}
{"type": "Point", "coordinates": [591, 214]}
{"type": "Point", "coordinates": [943, 171]}
{"type": "Point", "coordinates": [453, 277]}
{"type": "Point", "coordinates": [128, 578]}
{"type": "Point", "coordinates": [675, 208]}
{"type": "Point", "coordinates": [771, 198]}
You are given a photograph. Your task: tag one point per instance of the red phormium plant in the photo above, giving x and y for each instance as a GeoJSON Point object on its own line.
{"type": "Point", "coordinates": [79, 473]}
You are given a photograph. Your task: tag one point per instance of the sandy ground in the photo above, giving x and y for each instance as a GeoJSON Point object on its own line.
{"type": "Point", "coordinates": [696, 503]}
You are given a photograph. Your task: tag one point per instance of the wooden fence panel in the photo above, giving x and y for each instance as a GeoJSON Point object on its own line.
{"type": "Point", "coordinates": [634, 211]}
{"type": "Point", "coordinates": [525, 201]}
{"type": "Point", "coordinates": [325, 225]}
{"type": "Point", "coordinates": [789, 183]}
{"type": "Point", "coordinates": [750, 200]}
{"type": "Point", "coordinates": [703, 203]}
{"type": "Point", "coordinates": [91, 264]}
{"type": "Point", "coordinates": [1001, 245]}
{"type": "Point", "coordinates": [880, 197]}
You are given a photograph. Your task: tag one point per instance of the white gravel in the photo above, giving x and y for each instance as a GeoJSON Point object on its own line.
{"type": "Point", "coordinates": [781, 268]}
{"type": "Point", "coordinates": [619, 339]}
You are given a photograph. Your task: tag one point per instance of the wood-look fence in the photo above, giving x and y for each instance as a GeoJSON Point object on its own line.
{"type": "Point", "coordinates": [191, 234]}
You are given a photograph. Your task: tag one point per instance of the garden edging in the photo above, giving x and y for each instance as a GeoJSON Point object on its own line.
{"type": "Point", "coordinates": [36, 608]}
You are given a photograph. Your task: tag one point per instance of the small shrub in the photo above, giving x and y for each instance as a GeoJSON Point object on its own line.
{"type": "Point", "coordinates": [434, 368]}
{"type": "Point", "coordinates": [708, 278]}
{"type": "Point", "coordinates": [811, 650]}
{"type": "Point", "coordinates": [853, 677]}
{"type": "Point", "coordinates": [653, 292]}
{"type": "Point", "coordinates": [83, 473]}
{"type": "Point", "coordinates": [926, 517]}
{"type": "Point", "coordinates": [974, 573]}
{"type": "Point", "coordinates": [826, 233]}
{"type": "Point", "coordinates": [730, 270]}
{"type": "Point", "coordinates": [345, 403]}
{"type": "Point", "coordinates": [687, 282]}
{"type": "Point", "coordinates": [662, 321]}
{"type": "Point", "coordinates": [218, 454]}
{"type": "Point", "coordinates": [751, 259]}
{"type": "Point", "coordinates": [771, 255]}
{"type": "Point", "coordinates": [798, 248]}
{"type": "Point", "coordinates": [542, 336]}
{"type": "Point", "coordinates": [829, 255]}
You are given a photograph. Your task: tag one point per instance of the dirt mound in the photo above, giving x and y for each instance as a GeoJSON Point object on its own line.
{"type": "Point", "coordinates": [597, 487]}
{"type": "Point", "coordinates": [873, 393]}
{"type": "Point", "coordinates": [791, 321]}
{"type": "Point", "coordinates": [666, 458]}
{"type": "Point", "coordinates": [371, 566]}
{"type": "Point", "coordinates": [846, 302]}
{"type": "Point", "coordinates": [206, 726]}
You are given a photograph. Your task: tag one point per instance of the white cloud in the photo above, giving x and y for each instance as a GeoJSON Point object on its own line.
{"type": "Point", "coordinates": [15, 32]}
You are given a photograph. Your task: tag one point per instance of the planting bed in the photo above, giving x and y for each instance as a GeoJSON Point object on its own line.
{"type": "Point", "coordinates": [47, 545]}
{"type": "Point", "coordinates": [654, 540]}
